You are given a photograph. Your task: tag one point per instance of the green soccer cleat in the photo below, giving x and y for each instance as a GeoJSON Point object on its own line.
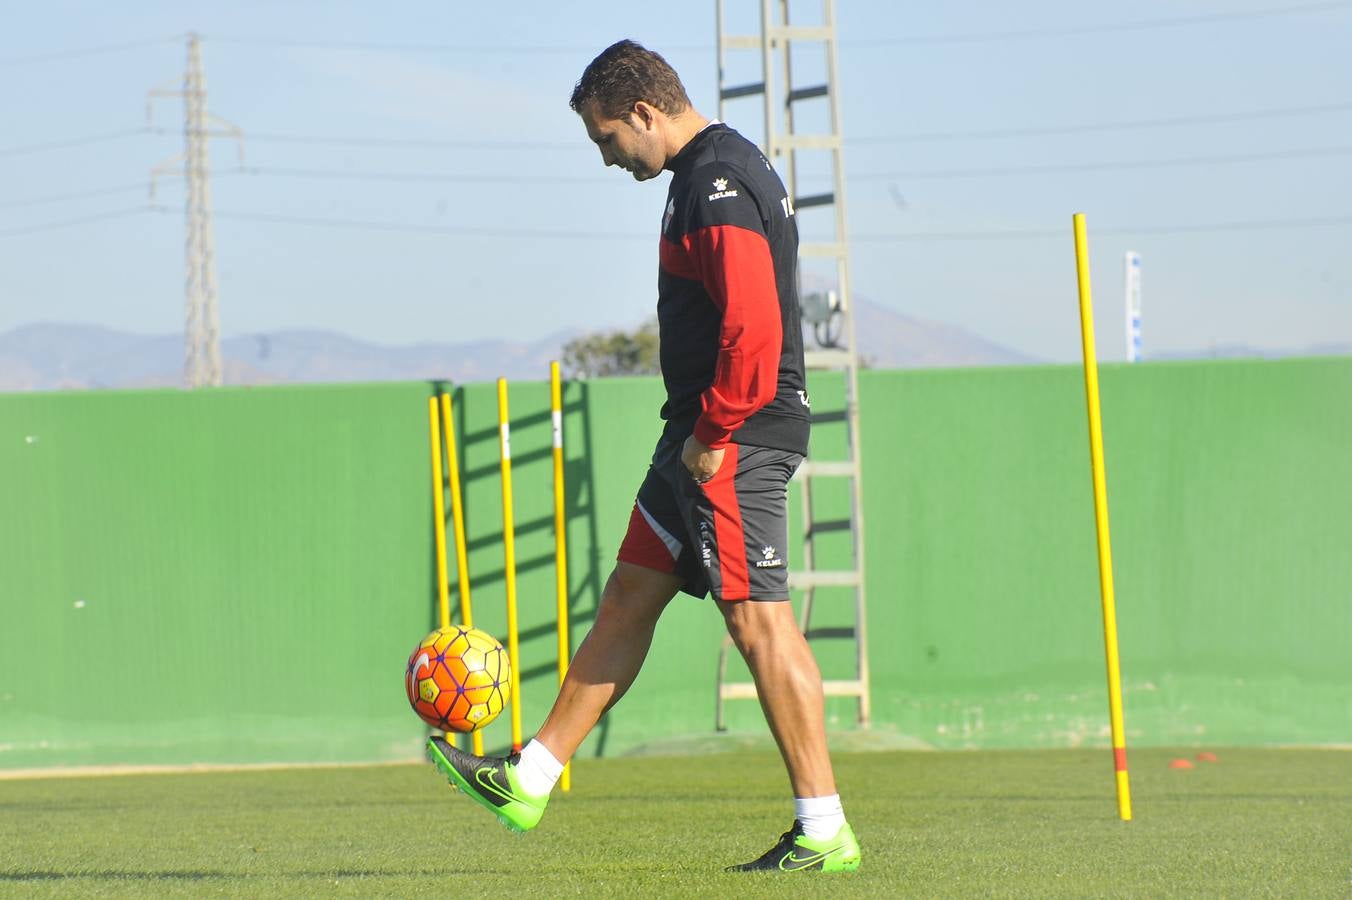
{"type": "Point", "coordinates": [491, 782]}
{"type": "Point", "coordinates": [796, 852]}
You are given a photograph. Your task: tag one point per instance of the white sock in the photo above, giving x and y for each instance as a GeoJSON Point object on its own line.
{"type": "Point", "coordinates": [538, 770]}
{"type": "Point", "coordinates": [821, 816]}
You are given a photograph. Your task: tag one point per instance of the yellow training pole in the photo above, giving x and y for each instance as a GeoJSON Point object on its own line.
{"type": "Point", "coordinates": [439, 522]}
{"type": "Point", "coordinates": [1105, 554]}
{"type": "Point", "coordinates": [457, 512]}
{"type": "Point", "coordinates": [458, 523]}
{"type": "Point", "coordinates": [560, 542]}
{"type": "Point", "coordinates": [509, 548]}
{"type": "Point", "coordinates": [439, 511]}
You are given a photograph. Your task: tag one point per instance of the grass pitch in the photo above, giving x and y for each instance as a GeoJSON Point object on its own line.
{"type": "Point", "coordinates": [1018, 823]}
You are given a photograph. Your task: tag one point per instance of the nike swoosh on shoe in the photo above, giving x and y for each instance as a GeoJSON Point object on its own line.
{"type": "Point", "coordinates": [490, 783]}
{"type": "Point", "coordinates": [792, 861]}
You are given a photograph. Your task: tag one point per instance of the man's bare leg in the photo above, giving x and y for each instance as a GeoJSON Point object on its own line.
{"type": "Point", "coordinates": [789, 684]}
{"type": "Point", "coordinates": [516, 789]}
{"type": "Point", "coordinates": [610, 657]}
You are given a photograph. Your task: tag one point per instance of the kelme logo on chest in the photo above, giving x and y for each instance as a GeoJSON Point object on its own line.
{"type": "Point", "coordinates": [721, 190]}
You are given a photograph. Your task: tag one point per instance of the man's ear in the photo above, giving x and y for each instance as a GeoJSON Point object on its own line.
{"type": "Point", "coordinates": [643, 115]}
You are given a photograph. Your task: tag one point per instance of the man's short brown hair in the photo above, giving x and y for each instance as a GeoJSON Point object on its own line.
{"type": "Point", "coordinates": [625, 73]}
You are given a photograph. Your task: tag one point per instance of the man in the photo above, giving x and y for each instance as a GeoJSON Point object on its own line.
{"type": "Point", "coordinates": [710, 516]}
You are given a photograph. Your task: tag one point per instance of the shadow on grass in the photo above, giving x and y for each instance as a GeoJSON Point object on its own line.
{"type": "Point", "coordinates": [194, 875]}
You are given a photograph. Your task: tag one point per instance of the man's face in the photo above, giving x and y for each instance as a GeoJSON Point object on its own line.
{"type": "Point", "coordinates": [633, 142]}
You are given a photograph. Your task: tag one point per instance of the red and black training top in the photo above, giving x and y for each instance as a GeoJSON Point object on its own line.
{"type": "Point", "coordinates": [727, 299]}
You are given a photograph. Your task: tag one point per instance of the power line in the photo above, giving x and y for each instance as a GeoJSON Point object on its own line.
{"type": "Point", "coordinates": [520, 49]}
{"type": "Point", "coordinates": [496, 178]}
{"type": "Point", "coordinates": [448, 231]}
{"type": "Point", "coordinates": [560, 234]}
{"type": "Point", "coordinates": [57, 55]}
{"type": "Point", "coordinates": [500, 178]}
{"type": "Point", "coordinates": [98, 192]}
{"type": "Point", "coordinates": [1076, 30]}
{"type": "Point", "coordinates": [1062, 168]}
{"type": "Point", "coordinates": [82, 220]}
{"type": "Point", "coordinates": [79, 195]}
{"type": "Point", "coordinates": [933, 39]}
{"type": "Point", "coordinates": [1252, 225]}
{"type": "Point", "coordinates": [1129, 125]}
{"type": "Point", "coordinates": [1024, 234]}
{"type": "Point", "coordinates": [915, 137]}
{"type": "Point", "coordinates": [1126, 230]}
{"type": "Point", "coordinates": [517, 178]}
{"type": "Point", "coordinates": [73, 142]}
{"type": "Point", "coordinates": [411, 143]}
{"type": "Point", "coordinates": [459, 49]}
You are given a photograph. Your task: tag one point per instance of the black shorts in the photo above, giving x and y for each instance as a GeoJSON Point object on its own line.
{"type": "Point", "coordinates": [728, 536]}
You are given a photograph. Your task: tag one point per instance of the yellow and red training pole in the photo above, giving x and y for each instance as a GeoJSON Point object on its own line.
{"type": "Point", "coordinates": [458, 523]}
{"type": "Point", "coordinates": [560, 542]}
{"type": "Point", "coordinates": [439, 522]}
{"type": "Point", "coordinates": [509, 549]}
{"type": "Point", "coordinates": [1105, 554]}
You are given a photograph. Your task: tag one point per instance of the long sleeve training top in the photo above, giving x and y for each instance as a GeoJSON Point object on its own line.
{"type": "Point", "coordinates": [727, 305]}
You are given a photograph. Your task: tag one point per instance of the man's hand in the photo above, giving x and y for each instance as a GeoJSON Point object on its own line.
{"type": "Point", "coordinates": [701, 462]}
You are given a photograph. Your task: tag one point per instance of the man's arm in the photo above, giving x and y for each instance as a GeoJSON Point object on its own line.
{"type": "Point", "coordinates": [737, 271]}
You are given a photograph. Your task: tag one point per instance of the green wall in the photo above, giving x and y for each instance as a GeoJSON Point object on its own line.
{"type": "Point", "coordinates": [238, 575]}
{"type": "Point", "coordinates": [1230, 496]}
{"type": "Point", "coordinates": [210, 576]}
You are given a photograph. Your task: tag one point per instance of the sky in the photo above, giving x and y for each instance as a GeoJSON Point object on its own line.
{"type": "Point", "coordinates": [412, 172]}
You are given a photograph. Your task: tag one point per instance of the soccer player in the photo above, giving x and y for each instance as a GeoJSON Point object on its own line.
{"type": "Point", "coordinates": [711, 516]}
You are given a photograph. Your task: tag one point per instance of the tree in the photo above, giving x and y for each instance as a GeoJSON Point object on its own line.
{"type": "Point", "coordinates": [613, 353]}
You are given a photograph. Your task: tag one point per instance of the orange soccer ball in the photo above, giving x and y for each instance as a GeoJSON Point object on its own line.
{"type": "Point", "coordinates": [458, 679]}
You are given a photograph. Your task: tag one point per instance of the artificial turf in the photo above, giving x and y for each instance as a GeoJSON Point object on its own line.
{"type": "Point", "coordinates": [1016, 823]}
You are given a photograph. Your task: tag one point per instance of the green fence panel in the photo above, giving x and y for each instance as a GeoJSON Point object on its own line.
{"type": "Point", "coordinates": [217, 576]}
{"type": "Point", "coordinates": [238, 575]}
{"type": "Point", "coordinates": [1230, 494]}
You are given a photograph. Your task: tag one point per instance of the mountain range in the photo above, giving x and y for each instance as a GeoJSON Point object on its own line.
{"type": "Point", "coordinates": [48, 356]}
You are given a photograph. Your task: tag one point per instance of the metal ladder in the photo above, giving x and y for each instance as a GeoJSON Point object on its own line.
{"type": "Point", "coordinates": [782, 144]}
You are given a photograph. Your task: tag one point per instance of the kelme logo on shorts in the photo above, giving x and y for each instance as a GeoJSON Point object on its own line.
{"type": "Point", "coordinates": [768, 559]}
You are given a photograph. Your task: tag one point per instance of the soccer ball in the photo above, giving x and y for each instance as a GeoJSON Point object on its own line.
{"type": "Point", "coordinates": [458, 679]}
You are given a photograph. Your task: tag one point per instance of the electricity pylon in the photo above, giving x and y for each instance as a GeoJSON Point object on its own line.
{"type": "Point", "coordinates": [201, 333]}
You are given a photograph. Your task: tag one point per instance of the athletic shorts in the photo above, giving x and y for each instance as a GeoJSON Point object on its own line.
{"type": "Point", "coordinates": [727, 537]}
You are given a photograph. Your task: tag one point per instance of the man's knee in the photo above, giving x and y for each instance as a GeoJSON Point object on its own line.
{"type": "Point", "coordinates": [755, 625]}
{"type": "Point", "coordinates": [633, 591]}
